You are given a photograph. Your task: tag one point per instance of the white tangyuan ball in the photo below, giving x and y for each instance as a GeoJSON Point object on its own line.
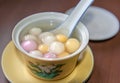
{"type": "Point", "coordinates": [57, 47]}
{"type": "Point", "coordinates": [36, 53]}
{"type": "Point", "coordinates": [47, 38]}
{"type": "Point", "coordinates": [31, 37]}
{"type": "Point", "coordinates": [35, 31]}
{"type": "Point", "coordinates": [44, 34]}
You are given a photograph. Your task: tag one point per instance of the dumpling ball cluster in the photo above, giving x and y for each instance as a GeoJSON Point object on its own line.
{"type": "Point", "coordinates": [48, 45]}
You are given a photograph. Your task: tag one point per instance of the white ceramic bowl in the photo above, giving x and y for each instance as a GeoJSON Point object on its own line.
{"type": "Point", "coordinates": [47, 21]}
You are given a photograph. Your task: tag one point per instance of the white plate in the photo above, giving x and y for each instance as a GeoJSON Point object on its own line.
{"type": "Point", "coordinates": [101, 23]}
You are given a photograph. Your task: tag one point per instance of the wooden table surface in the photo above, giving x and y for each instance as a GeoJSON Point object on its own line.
{"type": "Point", "coordinates": [106, 53]}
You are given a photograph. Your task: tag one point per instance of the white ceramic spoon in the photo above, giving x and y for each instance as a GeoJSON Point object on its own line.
{"type": "Point", "coordinates": [69, 24]}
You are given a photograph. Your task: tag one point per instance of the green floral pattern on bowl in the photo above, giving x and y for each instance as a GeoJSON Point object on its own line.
{"type": "Point", "coordinates": [46, 71]}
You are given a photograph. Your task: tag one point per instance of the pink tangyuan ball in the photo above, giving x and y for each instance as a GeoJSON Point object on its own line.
{"type": "Point", "coordinates": [49, 55]}
{"type": "Point", "coordinates": [29, 45]}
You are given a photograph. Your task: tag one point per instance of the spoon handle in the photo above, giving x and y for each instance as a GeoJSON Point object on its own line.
{"type": "Point", "coordinates": [74, 17]}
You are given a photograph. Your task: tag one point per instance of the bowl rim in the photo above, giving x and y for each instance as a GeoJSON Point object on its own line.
{"type": "Point", "coordinates": [22, 24]}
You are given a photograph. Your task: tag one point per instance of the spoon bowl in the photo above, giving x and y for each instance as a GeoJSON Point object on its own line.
{"type": "Point", "coordinates": [69, 24]}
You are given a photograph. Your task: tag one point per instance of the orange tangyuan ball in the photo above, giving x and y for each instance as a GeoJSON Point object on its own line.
{"type": "Point", "coordinates": [72, 45]}
{"type": "Point", "coordinates": [62, 38]}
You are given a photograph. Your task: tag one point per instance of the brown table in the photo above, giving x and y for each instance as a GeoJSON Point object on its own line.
{"type": "Point", "coordinates": [106, 53]}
